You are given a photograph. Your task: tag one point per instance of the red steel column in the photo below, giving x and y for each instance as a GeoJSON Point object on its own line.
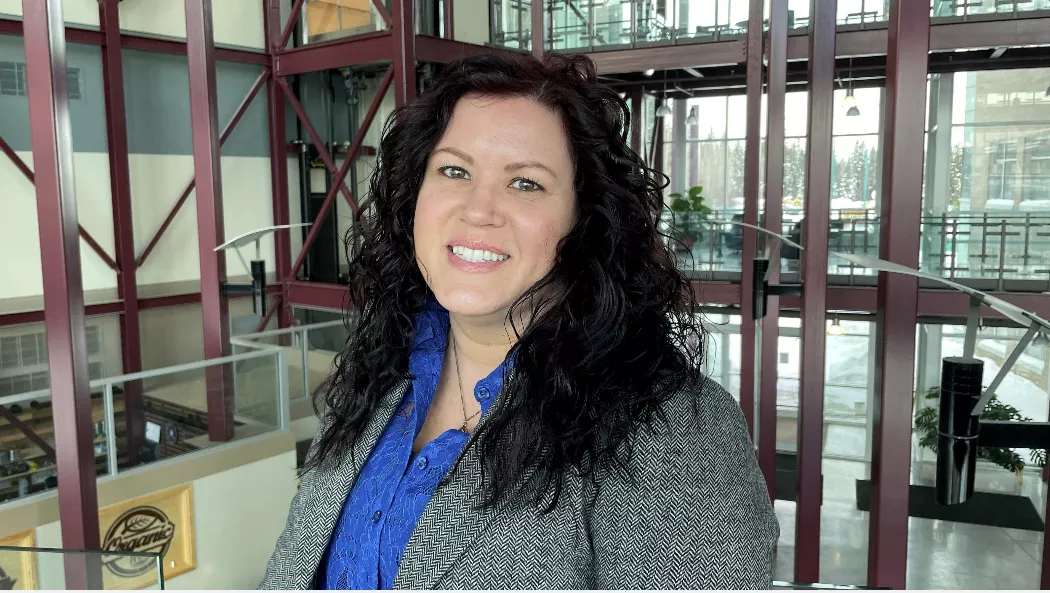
{"type": "Point", "coordinates": [815, 286]}
{"type": "Point", "coordinates": [895, 317]}
{"type": "Point", "coordinates": [278, 161]}
{"type": "Point", "coordinates": [52, 140]}
{"type": "Point", "coordinates": [200, 53]}
{"type": "Point", "coordinates": [120, 184]}
{"type": "Point", "coordinates": [752, 145]}
{"type": "Point", "coordinates": [769, 358]}
{"type": "Point", "coordinates": [404, 40]}
{"type": "Point", "coordinates": [536, 13]}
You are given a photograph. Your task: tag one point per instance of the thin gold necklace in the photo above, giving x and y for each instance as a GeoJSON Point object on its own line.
{"type": "Point", "coordinates": [459, 379]}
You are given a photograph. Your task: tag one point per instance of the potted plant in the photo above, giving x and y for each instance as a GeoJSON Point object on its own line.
{"type": "Point", "coordinates": [690, 215]}
{"type": "Point", "coordinates": [926, 427]}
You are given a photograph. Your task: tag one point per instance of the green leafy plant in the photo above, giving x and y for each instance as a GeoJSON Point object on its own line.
{"type": "Point", "coordinates": [690, 212]}
{"type": "Point", "coordinates": [926, 426]}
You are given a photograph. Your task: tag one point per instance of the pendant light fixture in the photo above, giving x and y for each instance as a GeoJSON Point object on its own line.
{"type": "Point", "coordinates": [663, 110]}
{"type": "Point", "coordinates": [850, 102]}
{"type": "Point", "coordinates": [692, 119]}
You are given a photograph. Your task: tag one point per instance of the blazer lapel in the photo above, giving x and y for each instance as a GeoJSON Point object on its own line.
{"type": "Point", "coordinates": [447, 528]}
{"type": "Point", "coordinates": [450, 523]}
{"type": "Point", "coordinates": [331, 487]}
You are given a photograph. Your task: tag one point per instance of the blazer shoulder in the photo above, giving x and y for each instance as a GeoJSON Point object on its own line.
{"type": "Point", "coordinates": [698, 417]}
{"type": "Point", "coordinates": [693, 510]}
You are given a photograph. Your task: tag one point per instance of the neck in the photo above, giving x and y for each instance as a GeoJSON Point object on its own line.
{"type": "Point", "coordinates": [482, 342]}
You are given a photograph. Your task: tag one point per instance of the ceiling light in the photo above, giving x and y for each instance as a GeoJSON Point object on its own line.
{"type": "Point", "coordinates": [835, 329]}
{"type": "Point", "coordinates": [663, 110]}
{"type": "Point", "coordinates": [850, 104]}
{"type": "Point", "coordinates": [692, 120]}
{"type": "Point", "coordinates": [650, 72]}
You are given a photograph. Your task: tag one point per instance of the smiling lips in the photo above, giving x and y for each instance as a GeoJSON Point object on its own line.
{"type": "Point", "coordinates": [476, 257]}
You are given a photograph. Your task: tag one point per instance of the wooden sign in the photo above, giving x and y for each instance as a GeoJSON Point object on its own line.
{"type": "Point", "coordinates": [161, 522]}
{"type": "Point", "coordinates": [18, 569]}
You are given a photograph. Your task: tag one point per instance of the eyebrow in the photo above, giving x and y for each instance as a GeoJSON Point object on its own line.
{"type": "Point", "coordinates": [511, 167]}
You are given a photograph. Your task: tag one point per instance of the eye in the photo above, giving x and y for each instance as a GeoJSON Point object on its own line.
{"type": "Point", "coordinates": [526, 185]}
{"type": "Point", "coordinates": [454, 172]}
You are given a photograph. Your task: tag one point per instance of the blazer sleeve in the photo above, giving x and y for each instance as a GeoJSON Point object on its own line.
{"type": "Point", "coordinates": [697, 513]}
{"type": "Point", "coordinates": [281, 569]}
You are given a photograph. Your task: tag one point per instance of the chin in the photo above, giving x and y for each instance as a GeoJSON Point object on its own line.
{"type": "Point", "coordinates": [472, 303]}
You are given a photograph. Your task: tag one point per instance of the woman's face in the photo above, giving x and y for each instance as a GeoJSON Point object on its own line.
{"type": "Point", "coordinates": [496, 199]}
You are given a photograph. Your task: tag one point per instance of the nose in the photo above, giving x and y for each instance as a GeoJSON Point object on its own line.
{"type": "Point", "coordinates": [481, 207]}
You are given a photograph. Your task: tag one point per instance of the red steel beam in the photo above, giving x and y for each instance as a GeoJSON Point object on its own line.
{"type": "Point", "coordinates": [142, 43]}
{"type": "Point", "coordinates": [774, 192]}
{"type": "Point", "coordinates": [116, 307]}
{"type": "Point", "coordinates": [123, 223]}
{"type": "Point", "coordinates": [450, 31]}
{"type": "Point", "coordinates": [317, 294]}
{"type": "Point", "coordinates": [443, 51]}
{"type": "Point", "coordinates": [27, 430]}
{"type": "Point", "coordinates": [226, 131]}
{"type": "Point", "coordinates": [353, 51]}
{"type": "Point", "coordinates": [404, 51]}
{"type": "Point", "coordinates": [340, 175]}
{"type": "Point", "coordinates": [815, 283]}
{"type": "Point", "coordinates": [168, 46]}
{"type": "Point", "coordinates": [24, 168]}
{"type": "Point", "coordinates": [752, 147]}
{"type": "Point", "coordinates": [319, 144]}
{"type": "Point", "coordinates": [17, 160]}
{"type": "Point", "coordinates": [278, 156]}
{"type": "Point", "coordinates": [51, 137]}
{"type": "Point", "coordinates": [901, 212]}
{"type": "Point", "coordinates": [290, 25]}
{"type": "Point", "coordinates": [388, 20]}
{"type": "Point", "coordinates": [206, 165]}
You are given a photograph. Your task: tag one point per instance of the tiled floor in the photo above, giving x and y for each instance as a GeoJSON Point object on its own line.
{"type": "Point", "coordinates": [941, 554]}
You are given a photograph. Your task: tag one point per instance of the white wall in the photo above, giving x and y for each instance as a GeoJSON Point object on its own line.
{"type": "Point", "coordinates": [237, 22]}
{"type": "Point", "coordinates": [470, 21]}
{"type": "Point", "coordinates": [156, 181]}
{"type": "Point", "coordinates": [20, 261]}
{"type": "Point", "coordinates": [238, 515]}
{"type": "Point", "coordinates": [74, 12]}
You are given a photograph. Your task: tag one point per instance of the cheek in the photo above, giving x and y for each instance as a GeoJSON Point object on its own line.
{"type": "Point", "coordinates": [427, 218]}
{"type": "Point", "coordinates": [542, 234]}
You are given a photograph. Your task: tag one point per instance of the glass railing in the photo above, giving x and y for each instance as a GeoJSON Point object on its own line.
{"type": "Point", "coordinates": [309, 352]}
{"type": "Point", "coordinates": [173, 419]}
{"type": "Point", "coordinates": [995, 248]}
{"type": "Point", "coordinates": [30, 568]}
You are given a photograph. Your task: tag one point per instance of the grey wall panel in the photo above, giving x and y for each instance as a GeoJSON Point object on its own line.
{"type": "Point", "coordinates": [87, 113]}
{"type": "Point", "coordinates": [156, 91]}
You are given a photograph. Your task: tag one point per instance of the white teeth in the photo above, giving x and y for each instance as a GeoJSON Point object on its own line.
{"type": "Point", "coordinates": [477, 255]}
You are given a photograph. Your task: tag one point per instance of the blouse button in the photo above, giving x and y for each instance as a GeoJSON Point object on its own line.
{"type": "Point", "coordinates": [376, 516]}
{"type": "Point", "coordinates": [421, 463]}
{"type": "Point", "coordinates": [483, 392]}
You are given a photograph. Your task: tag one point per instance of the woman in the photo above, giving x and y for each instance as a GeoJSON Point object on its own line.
{"type": "Point", "coordinates": [520, 403]}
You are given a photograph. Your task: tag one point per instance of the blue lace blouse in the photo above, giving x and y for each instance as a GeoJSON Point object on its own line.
{"type": "Point", "coordinates": [395, 483]}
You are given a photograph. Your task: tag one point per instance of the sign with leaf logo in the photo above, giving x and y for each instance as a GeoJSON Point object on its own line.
{"type": "Point", "coordinates": [161, 523]}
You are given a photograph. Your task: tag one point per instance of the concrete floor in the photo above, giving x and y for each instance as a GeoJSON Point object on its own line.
{"type": "Point", "coordinates": [941, 554]}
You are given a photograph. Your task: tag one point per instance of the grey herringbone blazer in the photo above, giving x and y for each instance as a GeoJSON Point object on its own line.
{"type": "Point", "coordinates": [696, 516]}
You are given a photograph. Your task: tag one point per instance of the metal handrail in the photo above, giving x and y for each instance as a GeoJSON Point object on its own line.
{"type": "Point", "coordinates": [107, 385]}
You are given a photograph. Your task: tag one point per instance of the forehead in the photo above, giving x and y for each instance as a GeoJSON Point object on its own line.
{"type": "Point", "coordinates": [498, 126]}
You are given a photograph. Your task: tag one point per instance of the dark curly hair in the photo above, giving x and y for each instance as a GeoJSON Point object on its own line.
{"type": "Point", "coordinates": [614, 329]}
